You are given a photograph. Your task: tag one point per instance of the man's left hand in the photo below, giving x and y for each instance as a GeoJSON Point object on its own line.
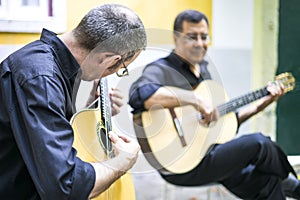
{"type": "Point", "coordinates": [116, 101]}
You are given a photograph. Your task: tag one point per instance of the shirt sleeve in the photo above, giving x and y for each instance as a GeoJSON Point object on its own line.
{"type": "Point", "coordinates": [143, 88]}
{"type": "Point", "coordinates": [46, 142]}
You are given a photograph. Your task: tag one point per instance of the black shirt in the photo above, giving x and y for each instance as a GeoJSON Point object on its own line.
{"type": "Point", "coordinates": [37, 160]}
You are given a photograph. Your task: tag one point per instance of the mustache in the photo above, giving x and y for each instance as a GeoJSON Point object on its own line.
{"type": "Point", "coordinates": [197, 50]}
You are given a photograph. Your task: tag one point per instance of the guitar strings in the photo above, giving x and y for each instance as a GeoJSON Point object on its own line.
{"type": "Point", "coordinates": [228, 107]}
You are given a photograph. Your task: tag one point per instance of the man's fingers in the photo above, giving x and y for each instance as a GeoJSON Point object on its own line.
{"type": "Point", "coordinates": [113, 136]}
{"type": "Point", "coordinates": [117, 101]}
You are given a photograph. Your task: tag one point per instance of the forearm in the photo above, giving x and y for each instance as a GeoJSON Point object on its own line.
{"type": "Point", "coordinates": [105, 176]}
{"type": "Point", "coordinates": [108, 171]}
{"type": "Point", "coordinates": [245, 114]}
{"type": "Point", "coordinates": [275, 92]}
{"type": "Point", "coordinates": [253, 109]}
{"type": "Point", "coordinates": [169, 97]}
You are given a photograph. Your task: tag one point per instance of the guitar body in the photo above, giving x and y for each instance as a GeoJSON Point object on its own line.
{"type": "Point", "coordinates": [161, 144]}
{"type": "Point", "coordinates": [92, 148]}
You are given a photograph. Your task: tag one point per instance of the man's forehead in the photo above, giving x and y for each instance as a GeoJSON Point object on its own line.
{"type": "Point", "coordinates": [194, 27]}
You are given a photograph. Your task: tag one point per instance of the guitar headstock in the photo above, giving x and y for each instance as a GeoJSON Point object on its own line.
{"type": "Point", "coordinates": [288, 81]}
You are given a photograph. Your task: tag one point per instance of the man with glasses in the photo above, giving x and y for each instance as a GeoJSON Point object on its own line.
{"type": "Point", "coordinates": [38, 86]}
{"type": "Point", "coordinates": [250, 166]}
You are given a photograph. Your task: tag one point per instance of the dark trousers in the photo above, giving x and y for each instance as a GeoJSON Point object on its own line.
{"type": "Point", "coordinates": [250, 166]}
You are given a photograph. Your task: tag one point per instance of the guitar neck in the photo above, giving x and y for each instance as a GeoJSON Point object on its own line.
{"type": "Point", "coordinates": [241, 101]}
{"type": "Point", "coordinates": [105, 104]}
{"type": "Point", "coordinates": [105, 116]}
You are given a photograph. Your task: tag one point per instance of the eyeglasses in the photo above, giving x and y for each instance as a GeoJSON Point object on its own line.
{"type": "Point", "coordinates": [195, 37]}
{"type": "Point", "coordinates": [123, 71]}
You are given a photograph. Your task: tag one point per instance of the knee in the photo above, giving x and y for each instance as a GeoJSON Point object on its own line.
{"type": "Point", "coordinates": [260, 137]}
{"type": "Point", "coordinates": [259, 140]}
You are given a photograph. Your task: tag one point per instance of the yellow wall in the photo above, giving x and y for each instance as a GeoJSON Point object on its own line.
{"type": "Point", "coordinates": [158, 14]}
{"type": "Point", "coordinates": [17, 38]}
{"type": "Point", "coordinates": [154, 13]}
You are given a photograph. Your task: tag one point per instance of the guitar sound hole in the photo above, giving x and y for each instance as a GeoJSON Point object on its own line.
{"type": "Point", "coordinates": [103, 139]}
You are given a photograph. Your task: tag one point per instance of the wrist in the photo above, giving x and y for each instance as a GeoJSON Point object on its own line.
{"type": "Point", "coordinates": [196, 101]}
{"type": "Point", "coordinates": [122, 162]}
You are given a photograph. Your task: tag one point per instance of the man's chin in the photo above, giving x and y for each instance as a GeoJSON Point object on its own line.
{"type": "Point", "coordinates": [197, 57]}
{"type": "Point", "coordinates": [196, 61]}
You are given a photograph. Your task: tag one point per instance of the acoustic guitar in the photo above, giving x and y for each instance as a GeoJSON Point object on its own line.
{"type": "Point", "coordinates": [173, 141]}
{"type": "Point", "coordinates": [91, 127]}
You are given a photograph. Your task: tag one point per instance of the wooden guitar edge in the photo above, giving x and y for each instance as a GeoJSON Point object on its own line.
{"type": "Point", "coordinates": [145, 147]}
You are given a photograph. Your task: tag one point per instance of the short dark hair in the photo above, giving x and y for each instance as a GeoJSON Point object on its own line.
{"type": "Point", "coordinates": [112, 28]}
{"type": "Point", "coordinates": [193, 16]}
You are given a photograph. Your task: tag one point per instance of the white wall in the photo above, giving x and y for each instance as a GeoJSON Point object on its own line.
{"type": "Point", "coordinates": [232, 41]}
{"type": "Point", "coordinates": [5, 50]}
{"type": "Point", "coordinates": [232, 24]}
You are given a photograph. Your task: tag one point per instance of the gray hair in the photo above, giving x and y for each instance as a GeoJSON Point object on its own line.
{"type": "Point", "coordinates": [112, 28]}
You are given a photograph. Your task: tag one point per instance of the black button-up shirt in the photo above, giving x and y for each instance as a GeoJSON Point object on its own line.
{"type": "Point", "coordinates": [168, 71]}
{"type": "Point", "coordinates": [37, 160]}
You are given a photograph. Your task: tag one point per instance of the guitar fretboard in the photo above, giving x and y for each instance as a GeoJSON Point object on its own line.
{"type": "Point", "coordinates": [105, 104]}
{"type": "Point", "coordinates": [106, 116]}
{"type": "Point", "coordinates": [241, 101]}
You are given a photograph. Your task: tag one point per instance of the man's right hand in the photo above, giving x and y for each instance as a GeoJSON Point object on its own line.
{"type": "Point", "coordinates": [209, 113]}
{"type": "Point", "coordinates": [126, 151]}
{"type": "Point", "coordinates": [108, 171]}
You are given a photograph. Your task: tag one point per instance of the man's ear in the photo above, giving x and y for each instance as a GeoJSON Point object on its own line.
{"type": "Point", "coordinates": [111, 59]}
{"type": "Point", "coordinates": [175, 37]}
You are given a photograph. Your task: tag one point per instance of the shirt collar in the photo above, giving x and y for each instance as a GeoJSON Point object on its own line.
{"type": "Point", "coordinates": [68, 63]}
{"type": "Point", "coordinates": [175, 58]}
